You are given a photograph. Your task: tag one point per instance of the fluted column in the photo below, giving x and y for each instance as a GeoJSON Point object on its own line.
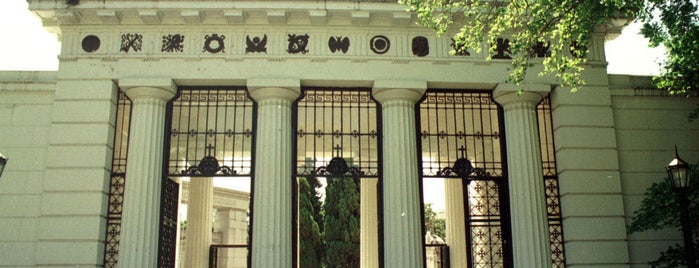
{"type": "Point", "coordinates": [199, 216]}
{"type": "Point", "coordinates": [141, 210]}
{"type": "Point", "coordinates": [530, 232]}
{"type": "Point", "coordinates": [272, 211]}
{"type": "Point", "coordinates": [456, 222]}
{"type": "Point", "coordinates": [403, 236]}
{"type": "Point", "coordinates": [369, 225]}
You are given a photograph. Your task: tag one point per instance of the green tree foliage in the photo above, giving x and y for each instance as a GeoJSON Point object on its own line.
{"type": "Point", "coordinates": [433, 224]}
{"type": "Point", "coordinates": [342, 223]}
{"type": "Point", "coordinates": [310, 244]}
{"type": "Point", "coordinates": [559, 23]}
{"type": "Point", "coordinates": [674, 24]}
{"type": "Point", "coordinates": [659, 210]}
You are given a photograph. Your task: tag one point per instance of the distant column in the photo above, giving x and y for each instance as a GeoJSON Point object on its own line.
{"type": "Point", "coordinates": [272, 211]}
{"type": "Point", "coordinates": [141, 210]}
{"type": "Point", "coordinates": [199, 218]}
{"type": "Point", "coordinates": [530, 231]}
{"type": "Point", "coordinates": [456, 222]}
{"type": "Point", "coordinates": [369, 225]}
{"type": "Point", "coordinates": [403, 236]}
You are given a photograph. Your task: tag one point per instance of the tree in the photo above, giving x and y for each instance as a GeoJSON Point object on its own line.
{"type": "Point", "coordinates": [674, 24]}
{"type": "Point", "coordinates": [565, 27]}
{"type": "Point", "coordinates": [433, 224]}
{"type": "Point", "coordinates": [310, 244]}
{"type": "Point", "coordinates": [659, 210]}
{"type": "Point", "coordinates": [341, 223]}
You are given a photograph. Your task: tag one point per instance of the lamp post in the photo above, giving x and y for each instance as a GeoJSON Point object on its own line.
{"type": "Point", "coordinates": [678, 172]}
{"type": "Point", "coordinates": [3, 161]}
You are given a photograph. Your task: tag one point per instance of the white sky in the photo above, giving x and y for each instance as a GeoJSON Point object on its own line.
{"type": "Point", "coordinates": [25, 45]}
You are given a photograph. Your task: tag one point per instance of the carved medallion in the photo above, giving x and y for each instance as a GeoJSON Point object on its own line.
{"type": "Point", "coordinates": [540, 50]}
{"type": "Point", "coordinates": [502, 49]}
{"type": "Point", "coordinates": [256, 44]}
{"type": "Point", "coordinates": [298, 43]}
{"type": "Point", "coordinates": [173, 43]}
{"type": "Point", "coordinates": [421, 47]}
{"type": "Point", "coordinates": [131, 41]}
{"type": "Point", "coordinates": [380, 44]}
{"type": "Point", "coordinates": [338, 43]}
{"type": "Point", "coordinates": [91, 43]}
{"type": "Point", "coordinates": [578, 50]}
{"type": "Point", "coordinates": [460, 49]}
{"type": "Point", "coordinates": [214, 43]}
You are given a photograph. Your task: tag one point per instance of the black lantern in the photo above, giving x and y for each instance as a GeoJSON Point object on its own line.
{"type": "Point", "coordinates": [678, 172]}
{"type": "Point", "coordinates": [3, 161]}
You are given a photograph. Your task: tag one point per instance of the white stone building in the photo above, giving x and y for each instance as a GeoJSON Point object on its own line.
{"type": "Point", "coordinates": [263, 92]}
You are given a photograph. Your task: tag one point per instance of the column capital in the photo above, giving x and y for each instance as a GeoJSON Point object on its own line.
{"type": "Point", "coordinates": [262, 89]}
{"type": "Point", "coordinates": [158, 88]}
{"type": "Point", "coordinates": [506, 94]}
{"type": "Point", "coordinates": [387, 90]}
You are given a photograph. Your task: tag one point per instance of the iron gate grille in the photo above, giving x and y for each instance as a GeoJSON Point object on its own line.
{"type": "Point", "coordinates": [338, 138]}
{"type": "Point", "coordinates": [117, 180]}
{"type": "Point", "coordinates": [167, 244]}
{"type": "Point", "coordinates": [553, 204]}
{"type": "Point", "coordinates": [332, 122]}
{"type": "Point", "coordinates": [212, 133]}
{"type": "Point", "coordinates": [461, 137]}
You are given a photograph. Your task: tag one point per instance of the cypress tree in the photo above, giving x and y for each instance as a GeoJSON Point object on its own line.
{"type": "Point", "coordinates": [310, 244]}
{"type": "Point", "coordinates": [341, 223]}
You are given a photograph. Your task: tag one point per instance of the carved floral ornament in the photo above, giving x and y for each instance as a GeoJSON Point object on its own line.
{"type": "Point", "coordinates": [216, 43]}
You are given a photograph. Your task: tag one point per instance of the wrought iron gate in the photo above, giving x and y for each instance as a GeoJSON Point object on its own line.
{"type": "Point", "coordinates": [461, 138]}
{"type": "Point", "coordinates": [211, 133]}
{"type": "Point", "coordinates": [117, 181]}
{"type": "Point", "coordinates": [553, 203]}
{"type": "Point", "coordinates": [338, 138]}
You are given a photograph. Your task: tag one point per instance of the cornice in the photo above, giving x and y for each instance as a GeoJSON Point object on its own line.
{"type": "Point", "coordinates": [355, 13]}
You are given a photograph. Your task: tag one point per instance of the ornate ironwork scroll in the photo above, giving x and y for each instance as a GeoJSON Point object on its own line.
{"type": "Point", "coordinates": [131, 41]}
{"type": "Point", "coordinates": [329, 119]}
{"type": "Point", "coordinates": [461, 139]}
{"type": "Point", "coordinates": [502, 49]}
{"type": "Point", "coordinates": [298, 44]}
{"type": "Point", "coordinates": [421, 46]}
{"type": "Point", "coordinates": [338, 43]}
{"type": "Point", "coordinates": [380, 44]}
{"type": "Point", "coordinates": [117, 181]}
{"type": "Point", "coordinates": [256, 44]}
{"type": "Point", "coordinates": [173, 43]}
{"type": "Point", "coordinates": [214, 43]}
{"type": "Point", "coordinates": [553, 202]}
{"type": "Point", "coordinates": [211, 133]}
{"type": "Point", "coordinates": [460, 49]}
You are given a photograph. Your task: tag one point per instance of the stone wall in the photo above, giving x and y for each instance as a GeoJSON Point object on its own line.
{"type": "Point", "coordinates": [648, 125]}
{"type": "Point", "coordinates": [26, 100]}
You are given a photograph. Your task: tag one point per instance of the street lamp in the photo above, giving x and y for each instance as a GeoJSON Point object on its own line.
{"type": "Point", "coordinates": [3, 161]}
{"type": "Point", "coordinates": [678, 172]}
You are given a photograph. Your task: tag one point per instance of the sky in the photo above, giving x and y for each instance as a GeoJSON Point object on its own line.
{"type": "Point", "coordinates": [25, 45]}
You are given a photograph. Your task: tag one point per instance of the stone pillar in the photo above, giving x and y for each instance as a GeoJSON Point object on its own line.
{"type": "Point", "coordinates": [456, 222]}
{"type": "Point", "coordinates": [199, 216]}
{"type": "Point", "coordinates": [530, 231]}
{"type": "Point", "coordinates": [403, 238]}
{"type": "Point", "coordinates": [140, 223]}
{"type": "Point", "coordinates": [272, 211]}
{"type": "Point", "coordinates": [369, 225]}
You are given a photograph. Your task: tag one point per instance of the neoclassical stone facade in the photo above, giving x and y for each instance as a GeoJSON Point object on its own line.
{"type": "Point", "coordinates": [65, 134]}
